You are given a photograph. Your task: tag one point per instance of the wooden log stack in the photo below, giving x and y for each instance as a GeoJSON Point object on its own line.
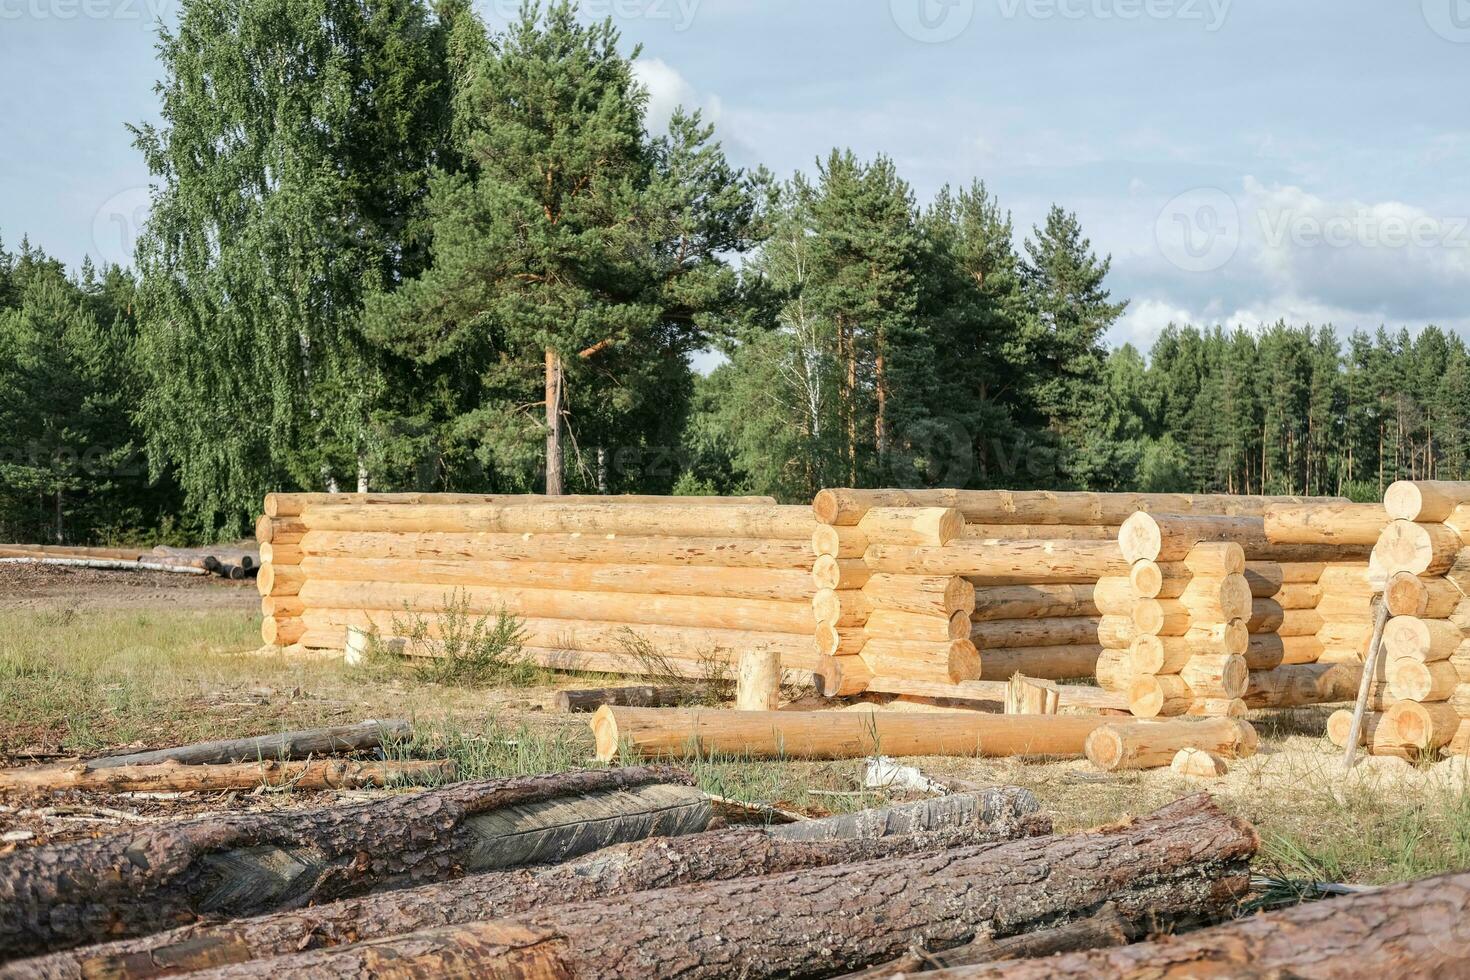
{"type": "Point", "coordinates": [1420, 695]}
{"type": "Point", "coordinates": [640, 585]}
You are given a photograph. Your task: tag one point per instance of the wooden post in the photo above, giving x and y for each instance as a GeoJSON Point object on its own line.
{"type": "Point", "coordinates": [1025, 696]}
{"type": "Point", "coordinates": [758, 681]}
{"type": "Point", "coordinates": [1365, 686]}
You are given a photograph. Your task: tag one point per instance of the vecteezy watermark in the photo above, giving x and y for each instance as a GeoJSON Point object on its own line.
{"type": "Point", "coordinates": [1362, 228]}
{"type": "Point", "coordinates": [118, 223]}
{"type": "Point", "coordinates": [1210, 14]}
{"type": "Point", "coordinates": [1199, 230]}
{"type": "Point", "coordinates": [932, 21]}
{"type": "Point", "coordinates": [1450, 19]}
{"type": "Point", "coordinates": [678, 13]}
{"type": "Point", "coordinates": [149, 11]}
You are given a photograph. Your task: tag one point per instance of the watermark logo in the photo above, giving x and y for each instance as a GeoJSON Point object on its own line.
{"type": "Point", "coordinates": [1209, 14]}
{"type": "Point", "coordinates": [1450, 19]}
{"type": "Point", "coordinates": [150, 11]}
{"type": "Point", "coordinates": [932, 21]}
{"type": "Point", "coordinates": [118, 224]}
{"type": "Point", "coordinates": [1199, 230]}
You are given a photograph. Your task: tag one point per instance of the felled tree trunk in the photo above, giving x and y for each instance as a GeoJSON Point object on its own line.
{"type": "Point", "coordinates": [1417, 929]}
{"type": "Point", "coordinates": [165, 875]}
{"type": "Point", "coordinates": [984, 806]}
{"type": "Point", "coordinates": [641, 696]}
{"type": "Point", "coordinates": [173, 776]}
{"type": "Point", "coordinates": [662, 863]}
{"type": "Point", "coordinates": [284, 745]}
{"type": "Point", "coordinates": [1189, 860]}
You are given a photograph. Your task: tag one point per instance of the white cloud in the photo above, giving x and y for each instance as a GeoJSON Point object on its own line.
{"type": "Point", "coordinates": [667, 90]}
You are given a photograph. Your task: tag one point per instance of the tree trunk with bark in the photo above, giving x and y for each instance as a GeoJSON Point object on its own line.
{"type": "Point", "coordinates": [1188, 861]}
{"type": "Point", "coordinates": [316, 774]}
{"type": "Point", "coordinates": [285, 745]}
{"type": "Point", "coordinates": [165, 875]}
{"type": "Point", "coordinates": [1417, 929]}
{"type": "Point", "coordinates": [627, 868]}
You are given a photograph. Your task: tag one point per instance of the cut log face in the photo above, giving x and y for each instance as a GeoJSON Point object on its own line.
{"type": "Point", "coordinates": [1430, 598]}
{"type": "Point", "coordinates": [1189, 861]}
{"type": "Point", "coordinates": [1139, 745]}
{"type": "Point", "coordinates": [1419, 549]}
{"type": "Point", "coordinates": [1199, 764]}
{"type": "Point", "coordinates": [167, 874]}
{"type": "Point", "coordinates": [1424, 500]}
{"type": "Point", "coordinates": [1421, 639]}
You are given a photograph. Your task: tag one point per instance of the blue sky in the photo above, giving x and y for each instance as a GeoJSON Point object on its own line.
{"type": "Point", "coordinates": [1242, 160]}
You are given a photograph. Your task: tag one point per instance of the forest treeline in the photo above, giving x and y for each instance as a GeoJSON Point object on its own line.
{"type": "Point", "coordinates": [390, 249]}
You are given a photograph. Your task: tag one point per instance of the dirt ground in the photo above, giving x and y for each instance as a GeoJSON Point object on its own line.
{"type": "Point", "coordinates": [53, 588]}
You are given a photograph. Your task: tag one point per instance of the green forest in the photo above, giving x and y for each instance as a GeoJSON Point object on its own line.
{"type": "Point", "coordinates": [389, 249]}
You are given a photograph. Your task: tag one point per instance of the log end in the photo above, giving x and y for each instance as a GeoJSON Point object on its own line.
{"type": "Point", "coordinates": [1140, 538]}
{"type": "Point", "coordinates": [1403, 501]}
{"type": "Point", "coordinates": [1199, 764]}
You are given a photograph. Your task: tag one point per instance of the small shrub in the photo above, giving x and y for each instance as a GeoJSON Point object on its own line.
{"type": "Point", "coordinates": [469, 650]}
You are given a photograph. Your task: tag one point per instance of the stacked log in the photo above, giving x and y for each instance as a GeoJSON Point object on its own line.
{"type": "Point", "coordinates": [1420, 698]}
{"type": "Point", "coordinates": [642, 585]}
{"type": "Point", "coordinates": [1191, 601]}
{"type": "Point", "coordinates": [1051, 596]}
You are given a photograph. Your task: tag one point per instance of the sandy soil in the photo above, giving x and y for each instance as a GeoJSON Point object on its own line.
{"type": "Point", "coordinates": [46, 588]}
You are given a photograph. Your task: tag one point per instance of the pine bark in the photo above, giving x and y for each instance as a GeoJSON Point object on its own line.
{"type": "Point", "coordinates": [620, 870]}
{"type": "Point", "coordinates": [1186, 862]}
{"type": "Point", "coordinates": [1415, 929]}
{"type": "Point", "coordinates": [166, 875]}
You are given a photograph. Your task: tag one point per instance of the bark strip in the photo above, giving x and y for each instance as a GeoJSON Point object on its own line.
{"type": "Point", "coordinates": [166, 875]}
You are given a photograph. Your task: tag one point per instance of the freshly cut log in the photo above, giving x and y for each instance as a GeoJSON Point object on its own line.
{"type": "Point", "coordinates": [1325, 523]}
{"type": "Point", "coordinates": [847, 506]}
{"type": "Point", "coordinates": [619, 870]}
{"type": "Point", "coordinates": [1153, 745]}
{"type": "Point", "coordinates": [1170, 537]}
{"type": "Point", "coordinates": [1007, 633]}
{"type": "Point", "coordinates": [1113, 596]}
{"type": "Point", "coordinates": [845, 574]}
{"type": "Point", "coordinates": [758, 681]}
{"type": "Point", "coordinates": [177, 777]}
{"type": "Point", "coordinates": [638, 696]}
{"type": "Point", "coordinates": [1423, 726]}
{"type": "Point", "coordinates": [432, 578]}
{"type": "Point", "coordinates": [1217, 676]}
{"type": "Point", "coordinates": [1187, 862]}
{"type": "Point", "coordinates": [693, 611]}
{"type": "Point", "coordinates": [840, 641]}
{"type": "Point", "coordinates": [1152, 580]}
{"type": "Point", "coordinates": [281, 554]}
{"type": "Point", "coordinates": [281, 606]}
{"type": "Point", "coordinates": [1036, 601]}
{"type": "Point", "coordinates": [276, 531]}
{"type": "Point", "coordinates": [848, 608]}
{"type": "Point", "coordinates": [664, 519]}
{"type": "Point", "coordinates": [843, 676]}
{"type": "Point", "coordinates": [1161, 696]}
{"type": "Point", "coordinates": [1340, 726]}
{"type": "Point", "coordinates": [1005, 563]}
{"type": "Point", "coordinates": [1399, 930]}
{"type": "Point", "coordinates": [1411, 680]}
{"type": "Point", "coordinates": [1430, 598]}
{"type": "Point", "coordinates": [1152, 617]}
{"type": "Point", "coordinates": [1217, 708]}
{"type": "Point", "coordinates": [285, 580]}
{"type": "Point", "coordinates": [1030, 532]}
{"type": "Point", "coordinates": [838, 542]}
{"type": "Point", "coordinates": [1295, 572]}
{"type": "Point", "coordinates": [591, 549]}
{"type": "Point", "coordinates": [1295, 595]}
{"type": "Point", "coordinates": [1051, 663]}
{"type": "Point", "coordinates": [1030, 696]}
{"type": "Point", "coordinates": [1421, 639]}
{"type": "Point", "coordinates": [1169, 654]}
{"type": "Point", "coordinates": [1215, 560]}
{"type": "Point", "coordinates": [994, 692]}
{"type": "Point", "coordinates": [1300, 622]}
{"type": "Point", "coordinates": [1198, 764]}
{"type": "Point", "coordinates": [835, 734]}
{"type": "Point", "coordinates": [285, 745]}
{"type": "Point", "coordinates": [1419, 549]}
{"type": "Point", "coordinates": [1116, 632]}
{"type": "Point", "coordinates": [944, 662]}
{"type": "Point", "coordinates": [1217, 599]}
{"type": "Point", "coordinates": [1300, 649]}
{"type": "Point", "coordinates": [1295, 685]}
{"type": "Point", "coordinates": [1267, 616]}
{"type": "Point", "coordinates": [1264, 651]}
{"type": "Point", "coordinates": [589, 635]}
{"type": "Point", "coordinates": [933, 526]}
{"type": "Point", "coordinates": [1115, 671]}
{"type": "Point", "coordinates": [888, 624]}
{"type": "Point", "coordinates": [282, 632]}
{"type": "Point", "coordinates": [292, 504]}
{"type": "Point", "coordinates": [163, 875]}
{"type": "Point", "coordinates": [1425, 501]}
{"type": "Point", "coordinates": [944, 594]}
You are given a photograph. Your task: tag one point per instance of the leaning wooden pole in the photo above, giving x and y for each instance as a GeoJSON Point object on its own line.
{"type": "Point", "coordinates": [1189, 860]}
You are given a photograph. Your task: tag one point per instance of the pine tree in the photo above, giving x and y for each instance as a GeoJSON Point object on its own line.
{"type": "Point", "coordinates": [575, 259]}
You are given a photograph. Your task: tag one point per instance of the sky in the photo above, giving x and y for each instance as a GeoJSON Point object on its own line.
{"type": "Point", "coordinates": [1242, 161]}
